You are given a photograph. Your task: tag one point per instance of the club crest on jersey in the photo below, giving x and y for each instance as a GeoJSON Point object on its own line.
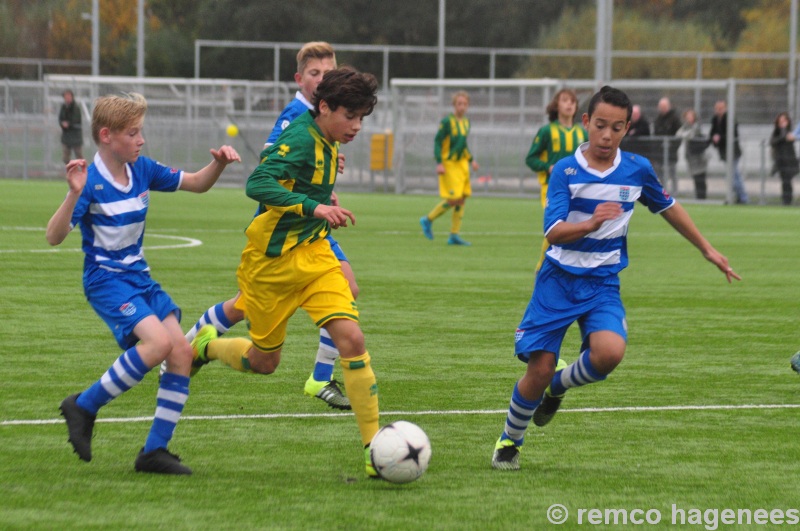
{"type": "Point", "coordinates": [518, 335]}
{"type": "Point", "coordinates": [128, 309]}
{"type": "Point", "coordinates": [145, 197]}
{"type": "Point", "coordinates": [624, 193]}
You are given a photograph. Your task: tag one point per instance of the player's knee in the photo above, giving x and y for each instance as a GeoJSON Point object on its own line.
{"type": "Point", "coordinates": [351, 342]}
{"type": "Point", "coordinates": [264, 362]}
{"type": "Point", "coordinates": [180, 358]}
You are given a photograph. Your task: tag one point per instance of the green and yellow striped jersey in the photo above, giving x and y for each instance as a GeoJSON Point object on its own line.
{"type": "Point", "coordinates": [296, 174]}
{"type": "Point", "coordinates": [451, 139]}
{"type": "Point", "coordinates": [552, 143]}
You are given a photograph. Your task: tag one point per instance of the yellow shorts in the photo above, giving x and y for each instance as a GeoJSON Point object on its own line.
{"type": "Point", "coordinates": [454, 182]}
{"type": "Point", "coordinates": [308, 277]}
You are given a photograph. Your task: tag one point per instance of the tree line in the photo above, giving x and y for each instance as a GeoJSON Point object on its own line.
{"type": "Point", "coordinates": [59, 29]}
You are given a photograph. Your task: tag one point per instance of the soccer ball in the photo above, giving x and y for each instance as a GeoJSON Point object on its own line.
{"type": "Point", "coordinates": [795, 362]}
{"type": "Point", "coordinates": [400, 452]}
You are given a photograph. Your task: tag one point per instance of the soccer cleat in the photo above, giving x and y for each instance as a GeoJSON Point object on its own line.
{"type": "Point", "coordinates": [80, 424]}
{"type": "Point", "coordinates": [371, 472]}
{"type": "Point", "coordinates": [199, 346]}
{"type": "Point", "coordinates": [427, 227]}
{"type": "Point", "coordinates": [795, 362]}
{"type": "Point", "coordinates": [328, 392]}
{"type": "Point", "coordinates": [455, 239]}
{"type": "Point", "coordinates": [506, 455]}
{"type": "Point", "coordinates": [546, 409]}
{"type": "Point", "coordinates": [549, 405]}
{"type": "Point", "coordinates": [160, 461]}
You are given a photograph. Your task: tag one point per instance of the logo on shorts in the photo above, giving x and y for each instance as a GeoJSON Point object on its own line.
{"type": "Point", "coordinates": [624, 193]}
{"type": "Point", "coordinates": [518, 335]}
{"type": "Point", "coordinates": [128, 309]}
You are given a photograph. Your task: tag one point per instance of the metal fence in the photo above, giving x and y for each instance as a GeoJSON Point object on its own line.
{"type": "Point", "coordinates": [394, 152]}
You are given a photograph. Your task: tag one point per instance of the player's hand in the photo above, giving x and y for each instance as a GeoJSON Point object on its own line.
{"type": "Point", "coordinates": [440, 169]}
{"type": "Point", "coordinates": [721, 262]}
{"type": "Point", "coordinates": [605, 212]}
{"type": "Point", "coordinates": [336, 216]}
{"type": "Point", "coordinates": [340, 160]}
{"type": "Point", "coordinates": [475, 165]}
{"type": "Point", "coordinates": [76, 175]}
{"type": "Point", "coordinates": [225, 155]}
{"type": "Point", "coordinates": [334, 199]}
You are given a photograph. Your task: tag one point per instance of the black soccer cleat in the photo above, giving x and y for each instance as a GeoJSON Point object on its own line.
{"type": "Point", "coordinates": [80, 425]}
{"type": "Point", "coordinates": [160, 461]}
{"type": "Point", "coordinates": [546, 409]}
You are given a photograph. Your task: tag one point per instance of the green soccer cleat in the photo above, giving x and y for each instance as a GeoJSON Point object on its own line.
{"type": "Point", "coordinates": [200, 345]}
{"type": "Point", "coordinates": [427, 227]}
{"type": "Point", "coordinates": [329, 392]}
{"type": "Point", "coordinates": [795, 363]}
{"type": "Point", "coordinates": [549, 405]}
{"type": "Point", "coordinates": [371, 472]}
{"type": "Point", "coordinates": [455, 239]}
{"type": "Point", "coordinates": [506, 455]}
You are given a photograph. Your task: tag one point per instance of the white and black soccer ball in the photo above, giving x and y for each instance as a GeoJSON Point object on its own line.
{"type": "Point", "coordinates": [400, 452]}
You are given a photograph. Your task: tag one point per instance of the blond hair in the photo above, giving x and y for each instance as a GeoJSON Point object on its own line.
{"type": "Point", "coordinates": [117, 112]}
{"type": "Point", "coordinates": [459, 94]}
{"type": "Point", "coordinates": [314, 50]}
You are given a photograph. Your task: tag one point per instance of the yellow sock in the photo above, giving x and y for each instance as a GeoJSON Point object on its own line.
{"type": "Point", "coordinates": [359, 383]}
{"type": "Point", "coordinates": [438, 210]}
{"type": "Point", "coordinates": [458, 215]}
{"type": "Point", "coordinates": [230, 351]}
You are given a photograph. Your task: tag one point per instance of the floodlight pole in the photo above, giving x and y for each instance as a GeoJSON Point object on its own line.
{"type": "Point", "coordinates": [140, 39]}
{"type": "Point", "coordinates": [792, 85]}
{"type": "Point", "coordinates": [95, 37]}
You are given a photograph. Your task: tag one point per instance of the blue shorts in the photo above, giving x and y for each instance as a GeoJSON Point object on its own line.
{"type": "Point", "coordinates": [559, 299]}
{"type": "Point", "coordinates": [124, 299]}
{"type": "Point", "coordinates": [337, 251]}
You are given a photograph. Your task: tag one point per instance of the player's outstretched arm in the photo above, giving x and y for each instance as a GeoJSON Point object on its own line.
{"type": "Point", "coordinates": [677, 216]}
{"type": "Point", "coordinates": [202, 181]}
{"type": "Point", "coordinates": [59, 225]}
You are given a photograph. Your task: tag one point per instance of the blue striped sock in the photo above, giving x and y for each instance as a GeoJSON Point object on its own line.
{"type": "Point", "coordinates": [579, 373]}
{"type": "Point", "coordinates": [213, 316]}
{"type": "Point", "coordinates": [127, 371]}
{"type": "Point", "coordinates": [326, 356]}
{"type": "Point", "coordinates": [172, 394]}
{"type": "Point", "coordinates": [520, 412]}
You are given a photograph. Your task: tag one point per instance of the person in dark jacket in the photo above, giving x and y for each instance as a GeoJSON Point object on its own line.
{"type": "Point", "coordinates": [69, 117]}
{"type": "Point", "coordinates": [718, 136]}
{"type": "Point", "coordinates": [667, 124]}
{"type": "Point", "coordinates": [783, 155]}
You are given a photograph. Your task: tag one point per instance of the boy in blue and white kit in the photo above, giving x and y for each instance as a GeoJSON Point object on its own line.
{"type": "Point", "coordinates": [109, 199]}
{"type": "Point", "coordinates": [590, 201]}
{"type": "Point", "coordinates": [314, 60]}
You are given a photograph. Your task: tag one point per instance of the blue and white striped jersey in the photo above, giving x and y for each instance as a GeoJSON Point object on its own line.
{"type": "Point", "coordinates": [296, 107]}
{"type": "Point", "coordinates": [575, 191]}
{"type": "Point", "coordinates": [112, 217]}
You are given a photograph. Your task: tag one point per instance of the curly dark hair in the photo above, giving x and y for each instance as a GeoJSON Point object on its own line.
{"type": "Point", "coordinates": [347, 87]}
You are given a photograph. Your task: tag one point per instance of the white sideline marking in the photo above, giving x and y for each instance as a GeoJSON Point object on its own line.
{"type": "Point", "coordinates": [628, 409]}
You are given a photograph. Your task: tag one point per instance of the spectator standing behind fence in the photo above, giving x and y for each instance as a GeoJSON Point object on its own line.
{"type": "Point", "coordinates": [783, 155]}
{"type": "Point", "coordinates": [69, 118]}
{"type": "Point", "coordinates": [667, 124]}
{"type": "Point", "coordinates": [695, 146]}
{"type": "Point", "coordinates": [718, 135]}
{"type": "Point", "coordinates": [639, 124]}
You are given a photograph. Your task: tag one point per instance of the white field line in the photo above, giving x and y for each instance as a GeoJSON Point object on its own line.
{"type": "Point", "coordinates": [184, 242]}
{"type": "Point", "coordinates": [452, 412]}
